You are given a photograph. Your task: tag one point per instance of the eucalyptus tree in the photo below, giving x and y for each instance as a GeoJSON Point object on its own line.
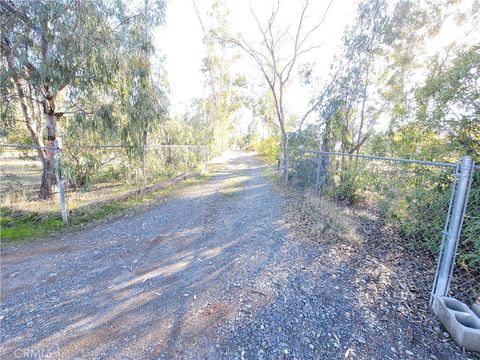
{"type": "Point", "coordinates": [449, 102]}
{"type": "Point", "coordinates": [363, 43]}
{"type": "Point", "coordinates": [409, 75]}
{"type": "Point", "coordinates": [411, 25]}
{"type": "Point", "coordinates": [57, 52]}
{"type": "Point", "coordinates": [143, 87]}
{"type": "Point", "coordinates": [223, 87]}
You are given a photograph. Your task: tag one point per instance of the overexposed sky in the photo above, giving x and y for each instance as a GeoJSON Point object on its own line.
{"type": "Point", "coordinates": [180, 40]}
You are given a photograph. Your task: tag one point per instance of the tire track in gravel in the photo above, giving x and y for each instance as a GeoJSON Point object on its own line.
{"type": "Point", "coordinates": [213, 273]}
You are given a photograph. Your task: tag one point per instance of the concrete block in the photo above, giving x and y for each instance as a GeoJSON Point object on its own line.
{"type": "Point", "coordinates": [476, 309]}
{"type": "Point", "coordinates": [462, 324]}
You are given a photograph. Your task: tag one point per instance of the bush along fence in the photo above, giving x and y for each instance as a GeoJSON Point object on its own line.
{"type": "Point", "coordinates": [89, 175]}
{"type": "Point", "coordinates": [425, 213]}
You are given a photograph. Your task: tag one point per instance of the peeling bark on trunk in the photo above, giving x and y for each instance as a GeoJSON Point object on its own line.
{"type": "Point", "coordinates": [49, 179]}
{"type": "Point", "coordinates": [324, 163]}
{"type": "Point", "coordinates": [31, 127]}
{"type": "Point", "coordinates": [286, 160]}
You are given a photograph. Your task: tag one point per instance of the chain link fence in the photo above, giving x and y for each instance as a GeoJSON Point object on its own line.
{"type": "Point", "coordinates": [402, 209]}
{"type": "Point", "coordinates": [465, 279]}
{"type": "Point", "coordinates": [20, 176]}
{"type": "Point", "coordinates": [92, 175]}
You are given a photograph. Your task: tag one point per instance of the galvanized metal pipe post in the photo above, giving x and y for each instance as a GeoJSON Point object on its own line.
{"type": "Point", "coordinates": [454, 227]}
{"type": "Point", "coordinates": [60, 181]}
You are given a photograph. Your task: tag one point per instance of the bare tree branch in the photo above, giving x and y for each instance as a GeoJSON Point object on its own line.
{"type": "Point", "coordinates": [274, 67]}
{"type": "Point", "coordinates": [318, 102]}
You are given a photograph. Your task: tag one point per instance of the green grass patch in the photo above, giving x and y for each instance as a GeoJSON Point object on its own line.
{"type": "Point", "coordinates": [271, 174]}
{"type": "Point", "coordinates": [234, 186]}
{"type": "Point", "coordinates": [15, 227]}
{"type": "Point", "coordinates": [22, 227]}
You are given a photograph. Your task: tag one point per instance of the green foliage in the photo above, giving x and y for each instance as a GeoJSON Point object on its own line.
{"type": "Point", "coordinates": [268, 147]}
{"type": "Point", "coordinates": [470, 241]}
{"type": "Point", "coordinates": [15, 227]}
{"type": "Point", "coordinates": [347, 188]}
{"type": "Point", "coordinates": [213, 117]}
{"type": "Point", "coordinates": [303, 164]}
{"type": "Point", "coordinates": [79, 170]}
{"type": "Point", "coordinates": [449, 102]}
{"type": "Point", "coordinates": [419, 208]}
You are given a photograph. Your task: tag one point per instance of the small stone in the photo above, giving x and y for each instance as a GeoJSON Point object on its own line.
{"type": "Point", "coordinates": [446, 335]}
{"type": "Point", "coordinates": [186, 295]}
{"type": "Point", "coordinates": [393, 349]}
{"type": "Point", "coordinates": [437, 328]}
{"type": "Point", "coordinates": [408, 352]}
{"type": "Point", "coordinates": [361, 340]}
{"type": "Point", "coordinates": [311, 346]}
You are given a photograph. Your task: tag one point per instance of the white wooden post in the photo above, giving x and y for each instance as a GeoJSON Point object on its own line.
{"type": "Point", "coordinates": [60, 181]}
{"type": "Point", "coordinates": [144, 168]}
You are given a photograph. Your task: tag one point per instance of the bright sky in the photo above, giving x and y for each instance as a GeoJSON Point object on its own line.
{"type": "Point", "coordinates": [180, 40]}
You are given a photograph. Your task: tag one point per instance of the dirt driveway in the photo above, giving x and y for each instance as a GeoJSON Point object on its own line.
{"type": "Point", "coordinates": [212, 273]}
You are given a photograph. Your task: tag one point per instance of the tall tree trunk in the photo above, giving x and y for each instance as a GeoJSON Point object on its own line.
{"type": "Point", "coordinates": [324, 163]}
{"type": "Point", "coordinates": [346, 124]}
{"type": "Point", "coordinates": [364, 99]}
{"type": "Point", "coordinates": [29, 120]}
{"type": "Point", "coordinates": [362, 120]}
{"type": "Point", "coordinates": [284, 143]}
{"type": "Point", "coordinates": [281, 120]}
{"type": "Point", "coordinates": [285, 157]}
{"type": "Point", "coordinates": [49, 179]}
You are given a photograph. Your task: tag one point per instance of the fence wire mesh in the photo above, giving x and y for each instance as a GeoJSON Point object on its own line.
{"type": "Point", "coordinates": [400, 209]}
{"type": "Point", "coordinates": [93, 175]}
{"type": "Point", "coordinates": [465, 280]}
{"type": "Point", "coordinates": [20, 180]}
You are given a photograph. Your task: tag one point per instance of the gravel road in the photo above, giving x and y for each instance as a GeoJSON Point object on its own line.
{"type": "Point", "coordinates": [215, 272]}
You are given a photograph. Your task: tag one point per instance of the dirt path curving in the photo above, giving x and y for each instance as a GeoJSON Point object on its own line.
{"type": "Point", "coordinates": [213, 273]}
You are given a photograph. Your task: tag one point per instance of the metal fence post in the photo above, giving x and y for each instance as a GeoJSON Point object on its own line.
{"type": "Point", "coordinates": [60, 181]}
{"type": "Point", "coordinates": [447, 255]}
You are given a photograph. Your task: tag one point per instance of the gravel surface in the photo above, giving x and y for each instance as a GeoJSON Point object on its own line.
{"type": "Point", "coordinates": [212, 273]}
